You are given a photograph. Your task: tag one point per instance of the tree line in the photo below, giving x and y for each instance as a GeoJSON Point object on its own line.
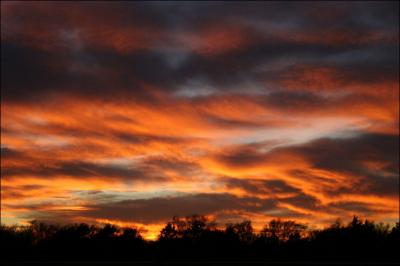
{"type": "Point", "coordinates": [197, 238]}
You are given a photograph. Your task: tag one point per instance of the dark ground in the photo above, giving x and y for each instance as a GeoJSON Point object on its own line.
{"type": "Point", "coordinates": [170, 263]}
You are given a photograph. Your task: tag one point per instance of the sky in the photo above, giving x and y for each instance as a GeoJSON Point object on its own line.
{"type": "Point", "coordinates": [133, 112]}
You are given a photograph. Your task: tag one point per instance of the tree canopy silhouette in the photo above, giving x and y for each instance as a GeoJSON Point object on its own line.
{"type": "Point", "coordinates": [197, 238]}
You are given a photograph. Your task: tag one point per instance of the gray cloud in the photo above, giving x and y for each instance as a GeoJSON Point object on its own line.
{"type": "Point", "coordinates": [348, 156]}
{"type": "Point", "coordinates": [256, 186]}
{"type": "Point", "coordinates": [161, 209]}
{"type": "Point", "coordinates": [78, 67]}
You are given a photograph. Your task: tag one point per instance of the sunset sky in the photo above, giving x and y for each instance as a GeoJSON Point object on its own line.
{"type": "Point", "coordinates": [133, 112]}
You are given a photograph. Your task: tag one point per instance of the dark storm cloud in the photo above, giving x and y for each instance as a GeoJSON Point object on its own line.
{"type": "Point", "coordinates": [304, 201]}
{"type": "Point", "coordinates": [9, 153]}
{"type": "Point", "coordinates": [232, 71]}
{"type": "Point", "coordinates": [256, 186]}
{"type": "Point", "coordinates": [77, 169]}
{"type": "Point", "coordinates": [151, 168]}
{"type": "Point", "coordinates": [304, 101]}
{"type": "Point", "coordinates": [20, 192]}
{"type": "Point", "coordinates": [274, 189]}
{"type": "Point", "coordinates": [296, 14]}
{"type": "Point", "coordinates": [145, 138]}
{"type": "Point", "coordinates": [88, 65]}
{"type": "Point", "coordinates": [349, 156]}
{"type": "Point", "coordinates": [171, 164]}
{"type": "Point", "coordinates": [349, 153]}
{"type": "Point", "coordinates": [33, 74]}
{"type": "Point", "coordinates": [353, 206]}
{"type": "Point", "coordinates": [235, 123]}
{"type": "Point", "coordinates": [377, 184]}
{"type": "Point", "coordinates": [245, 155]}
{"type": "Point", "coordinates": [160, 209]}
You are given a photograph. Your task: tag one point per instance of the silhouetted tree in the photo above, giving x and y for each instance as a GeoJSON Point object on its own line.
{"type": "Point", "coordinates": [169, 232]}
{"type": "Point", "coordinates": [243, 231]}
{"type": "Point", "coordinates": [279, 230]}
{"type": "Point", "coordinates": [196, 238]}
{"type": "Point", "coordinates": [190, 227]}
